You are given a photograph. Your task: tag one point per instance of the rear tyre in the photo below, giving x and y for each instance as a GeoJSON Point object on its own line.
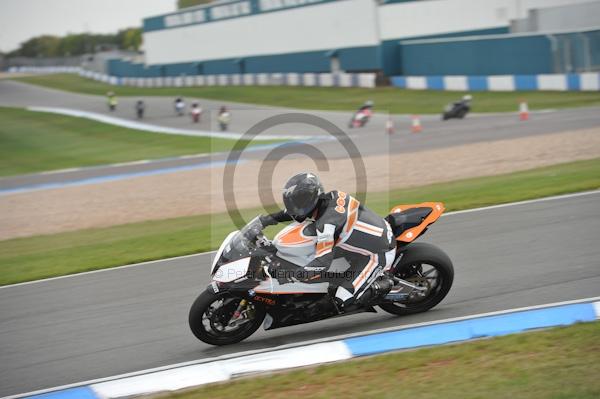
{"type": "Point", "coordinates": [211, 313]}
{"type": "Point", "coordinates": [427, 266]}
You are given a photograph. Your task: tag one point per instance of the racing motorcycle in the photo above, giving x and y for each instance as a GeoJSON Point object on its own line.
{"type": "Point", "coordinates": [246, 289]}
{"type": "Point", "coordinates": [360, 118]}
{"type": "Point", "coordinates": [458, 110]}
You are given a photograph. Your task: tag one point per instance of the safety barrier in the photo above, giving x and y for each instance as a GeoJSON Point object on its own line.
{"type": "Point", "coordinates": [172, 378]}
{"type": "Point", "coordinates": [259, 79]}
{"type": "Point", "coordinates": [589, 81]}
{"type": "Point", "coordinates": [44, 69]}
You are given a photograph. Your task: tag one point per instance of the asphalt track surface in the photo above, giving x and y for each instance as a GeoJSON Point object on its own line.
{"type": "Point", "coordinates": [371, 140]}
{"type": "Point", "coordinates": [101, 324]}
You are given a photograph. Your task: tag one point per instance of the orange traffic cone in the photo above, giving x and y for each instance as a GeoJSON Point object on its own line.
{"type": "Point", "coordinates": [389, 125]}
{"type": "Point", "coordinates": [523, 111]}
{"type": "Point", "coordinates": [416, 124]}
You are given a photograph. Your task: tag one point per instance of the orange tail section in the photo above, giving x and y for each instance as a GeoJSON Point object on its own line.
{"type": "Point", "coordinates": [437, 208]}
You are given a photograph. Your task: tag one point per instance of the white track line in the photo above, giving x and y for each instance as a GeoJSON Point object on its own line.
{"type": "Point", "coordinates": [302, 343]}
{"type": "Point", "coordinates": [113, 165]}
{"type": "Point", "coordinates": [105, 270]}
{"type": "Point", "coordinates": [126, 123]}
{"type": "Point", "coordinates": [531, 201]}
{"type": "Point", "coordinates": [482, 209]}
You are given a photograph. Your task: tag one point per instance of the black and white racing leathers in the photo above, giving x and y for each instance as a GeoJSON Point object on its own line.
{"type": "Point", "coordinates": [346, 229]}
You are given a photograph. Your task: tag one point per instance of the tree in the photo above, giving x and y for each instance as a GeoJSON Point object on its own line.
{"type": "Point", "coordinates": [190, 3]}
{"type": "Point", "coordinates": [78, 44]}
{"type": "Point", "coordinates": [41, 46]}
{"type": "Point", "coordinates": [130, 39]}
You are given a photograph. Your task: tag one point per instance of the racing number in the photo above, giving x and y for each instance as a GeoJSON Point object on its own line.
{"type": "Point", "coordinates": [341, 201]}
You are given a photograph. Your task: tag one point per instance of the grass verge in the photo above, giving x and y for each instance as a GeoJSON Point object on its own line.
{"type": "Point", "coordinates": [556, 363]}
{"type": "Point", "coordinates": [38, 141]}
{"type": "Point", "coordinates": [33, 258]}
{"type": "Point", "coordinates": [388, 99]}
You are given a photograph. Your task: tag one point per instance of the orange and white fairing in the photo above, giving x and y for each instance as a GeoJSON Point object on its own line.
{"type": "Point", "coordinates": [296, 243]}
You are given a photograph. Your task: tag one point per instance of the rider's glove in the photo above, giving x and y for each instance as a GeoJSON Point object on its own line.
{"type": "Point", "coordinates": [267, 220]}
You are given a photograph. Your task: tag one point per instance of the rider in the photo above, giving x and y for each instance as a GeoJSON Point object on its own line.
{"type": "Point", "coordinates": [367, 105]}
{"type": "Point", "coordinates": [345, 229]}
{"type": "Point", "coordinates": [466, 100]}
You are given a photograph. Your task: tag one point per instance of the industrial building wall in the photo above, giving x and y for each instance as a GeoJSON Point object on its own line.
{"type": "Point", "coordinates": [493, 56]}
{"type": "Point", "coordinates": [448, 18]}
{"type": "Point", "coordinates": [514, 54]}
{"type": "Point", "coordinates": [412, 19]}
{"type": "Point", "coordinates": [302, 36]}
{"type": "Point", "coordinates": [318, 27]}
{"type": "Point", "coordinates": [565, 17]}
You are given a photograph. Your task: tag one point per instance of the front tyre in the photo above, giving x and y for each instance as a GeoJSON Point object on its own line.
{"type": "Point", "coordinates": [211, 319]}
{"type": "Point", "coordinates": [427, 266]}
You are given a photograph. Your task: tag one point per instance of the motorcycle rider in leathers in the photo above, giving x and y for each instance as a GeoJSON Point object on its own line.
{"type": "Point", "coordinates": [345, 229]}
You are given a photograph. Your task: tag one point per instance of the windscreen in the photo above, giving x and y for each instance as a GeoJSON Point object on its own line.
{"type": "Point", "coordinates": [242, 244]}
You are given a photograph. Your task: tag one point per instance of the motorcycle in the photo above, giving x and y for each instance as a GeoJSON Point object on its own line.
{"type": "Point", "coordinates": [179, 107]}
{"type": "Point", "coordinates": [360, 118]}
{"type": "Point", "coordinates": [196, 112]}
{"type": "Point", "coordinates": [456, 110]}
{"type": "Point", "coordinates": [244, 293]}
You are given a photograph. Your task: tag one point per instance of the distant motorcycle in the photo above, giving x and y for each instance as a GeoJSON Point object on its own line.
{"type": "Point", "coordinates": [179, 106]}
{"type": "Point", "coordinates": [362, 116]}
{"type": "Point", "coordinates": [223, 118]}
{"type": "Point", "coordinates": [196, 112]}
{"type": "Point", "coordinates": [243, 292]}
{"type": "Point", "coordinates": [458, 109]}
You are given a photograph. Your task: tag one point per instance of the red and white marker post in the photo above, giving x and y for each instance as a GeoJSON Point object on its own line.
{"type": "Point", "coordinates": [523, 111]}
{"type": "Point", "coordinates": [389, 125]}
{"type": "Point", "coordinates": [416, 124]}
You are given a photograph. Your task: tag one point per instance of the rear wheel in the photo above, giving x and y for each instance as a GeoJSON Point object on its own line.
{"type": "Point", "coordinates": [425, 266]}
{"type": "Point", "coordinates": [212, 318]}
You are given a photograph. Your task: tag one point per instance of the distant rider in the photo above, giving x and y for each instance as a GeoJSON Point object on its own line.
{"type": "Point", "coordinates": [140, 107]}
{"type": "Point", "coordinates": [368, 105]}
{"type": "Point", "coordinates": [196, 112]}
{"type": "Point", "coordinates": [111, 100]}
{"type": "Point", "coordinates": [345, 229]}
{"type": "Point", "coordinates": [223, 118]}
{"type": "Point", "coordinates": [465, 101]}
{"type": "Point", "coordinates": [179, 106]}
{"type": "Point", "coordinates": [362, 115]}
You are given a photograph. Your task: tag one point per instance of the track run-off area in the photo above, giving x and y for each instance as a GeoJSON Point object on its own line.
{"type": "Point", "coordinates": [99, 324]}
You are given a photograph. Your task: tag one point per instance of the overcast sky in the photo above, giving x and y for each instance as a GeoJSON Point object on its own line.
{"type": "Point", "coordinates": [23, 19]}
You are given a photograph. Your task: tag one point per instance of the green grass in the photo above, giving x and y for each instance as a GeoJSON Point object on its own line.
{"type": "Point", "coordinates": [387, 99]}
{"type": "Point", "coordinates": [38, 141]}
{"type": "Point", "coordinates": [33, 258]}
{"type": "Point", "coordinates": [559, 363]}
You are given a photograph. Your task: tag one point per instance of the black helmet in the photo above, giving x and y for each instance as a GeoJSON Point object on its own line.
{"type": "Point", "coordinates": [301, 194]}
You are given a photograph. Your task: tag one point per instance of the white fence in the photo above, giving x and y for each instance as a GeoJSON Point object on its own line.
{"type": "Point", "coordinates": [260, 79]}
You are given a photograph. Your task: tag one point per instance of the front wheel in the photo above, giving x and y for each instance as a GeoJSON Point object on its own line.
{"type": "Point", "coordinates": [213, 318]}
{"type": "Point", "coordinates": [426, 266]}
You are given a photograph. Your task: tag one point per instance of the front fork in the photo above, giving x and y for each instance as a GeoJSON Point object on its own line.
{"type": "Point", "coordinates": [240, 314]}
